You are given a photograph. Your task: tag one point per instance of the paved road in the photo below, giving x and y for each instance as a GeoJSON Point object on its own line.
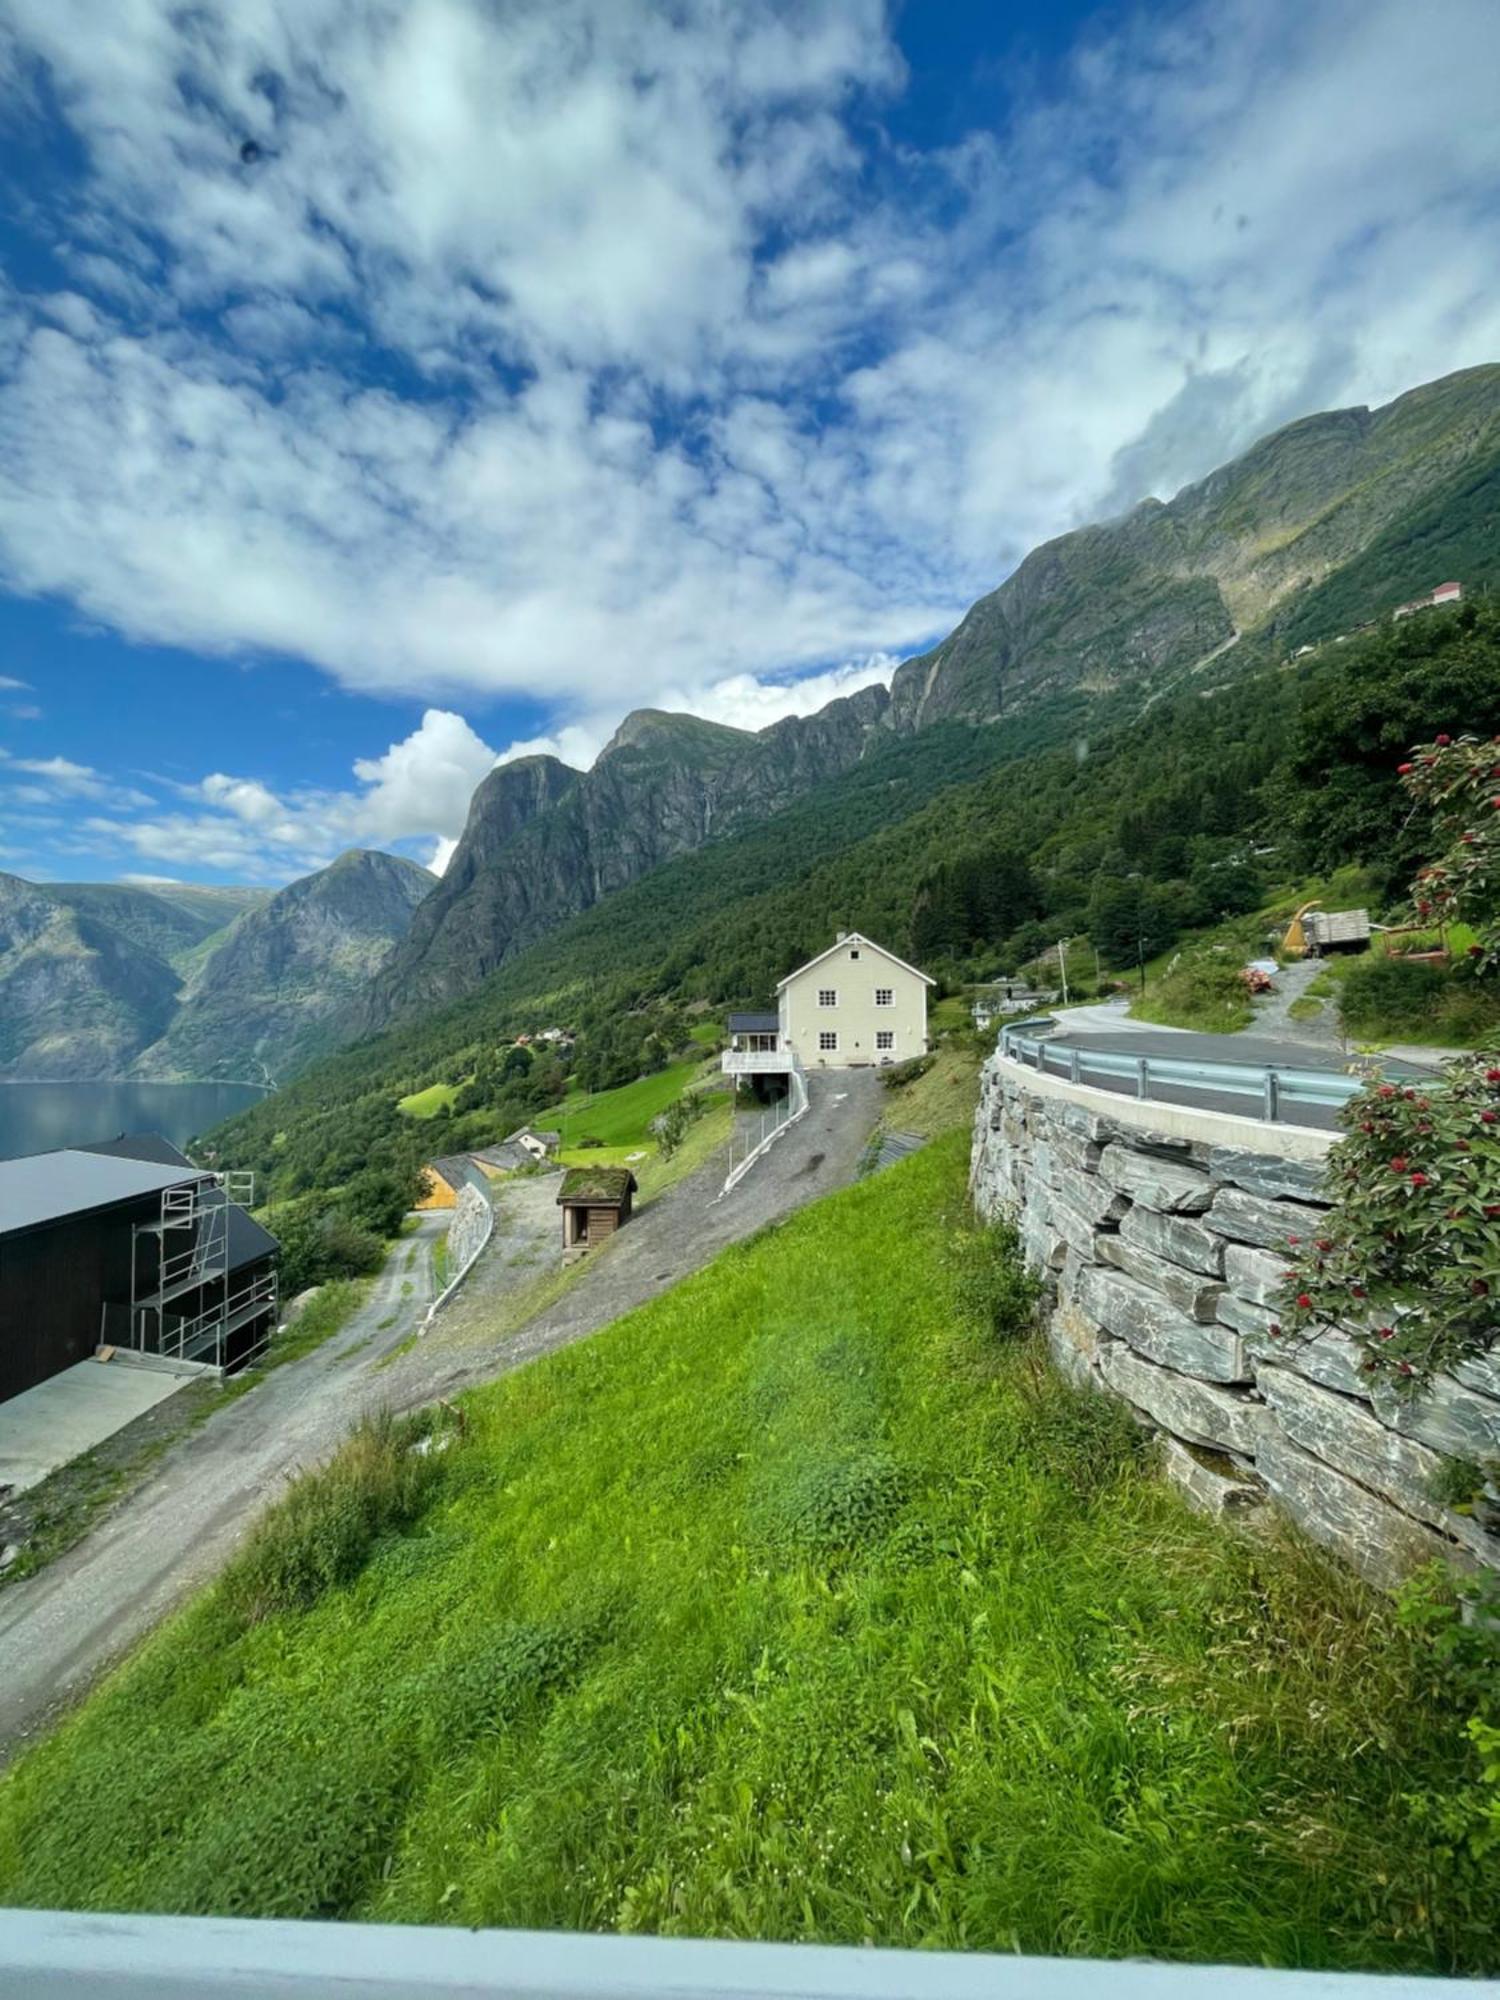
{"type": "Point", "coordinates": [1107, 1030]}
{"type": "Point", "coordinates": [60, 1626]}
{"type": "Point", "coordinates": [60, 1629]}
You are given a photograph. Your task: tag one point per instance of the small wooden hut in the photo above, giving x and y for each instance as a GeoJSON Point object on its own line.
{"type": "Point", "coordinates": [595, 1202]}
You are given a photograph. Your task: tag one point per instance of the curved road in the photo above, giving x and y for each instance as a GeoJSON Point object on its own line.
{"type": "Point", "coordinates": [1272, 1041]}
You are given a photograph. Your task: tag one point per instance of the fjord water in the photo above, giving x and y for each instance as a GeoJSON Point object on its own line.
{"type": "Point", "coordinates": [37, 1116]}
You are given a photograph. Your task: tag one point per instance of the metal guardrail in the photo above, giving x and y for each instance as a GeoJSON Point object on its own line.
{"type": "Point", "coordinates": [50, 1956]}
{"type": "Point", "coordinates": [1273, 1091]}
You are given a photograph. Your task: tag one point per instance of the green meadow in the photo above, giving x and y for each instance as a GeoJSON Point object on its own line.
{"type": "Point", "coordinates": [805, 1602]}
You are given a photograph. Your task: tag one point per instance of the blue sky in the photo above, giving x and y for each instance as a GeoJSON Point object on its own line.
{"type": "Point", "coordinates": [387, 385]}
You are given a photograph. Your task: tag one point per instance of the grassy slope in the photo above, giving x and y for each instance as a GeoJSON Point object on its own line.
{"type": "Point", "coordinates": [429, 1102]}
{"type": "Point", "coordinates": [621, 1118]}
{"type": "Point", "coordinates": [790, 1606]}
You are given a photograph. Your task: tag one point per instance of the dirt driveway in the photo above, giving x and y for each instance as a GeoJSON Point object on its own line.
{"type": "Point", "coordinates": [678, 1233]}
{"type": "Point", "coordinates": [61, 1628]}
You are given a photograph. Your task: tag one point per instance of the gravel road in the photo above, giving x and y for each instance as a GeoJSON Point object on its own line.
{"type": "Point", "coordinates": [678, 1233]}
{"type": "Point", "coordinates": [61, 1628]}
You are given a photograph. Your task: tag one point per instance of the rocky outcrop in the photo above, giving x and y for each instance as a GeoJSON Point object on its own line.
{"type": "Point", "coordinates": [1167, 585]}
{"type": "Point", "coordinates": [1163, 1255]}
{"type": "Point", "coordinates": [662, 786]}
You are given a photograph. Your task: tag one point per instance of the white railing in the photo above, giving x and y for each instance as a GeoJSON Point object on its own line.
{"type": "Point", "coordinates": [760, 1135]}
{"type": "Point", "coordinates": [88, 1957]}
{"type": "Point", "coordinates": [757, 1062]}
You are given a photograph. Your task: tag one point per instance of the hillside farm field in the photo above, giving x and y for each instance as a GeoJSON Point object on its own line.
{"type": "Point", "coordinates": [620, 1119]}
{"type": "Point", "coordinates": [802, 1603]}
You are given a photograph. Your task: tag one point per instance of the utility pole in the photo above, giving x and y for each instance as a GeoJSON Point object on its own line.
{"type": "Point", "coordinates": [1062, 962]}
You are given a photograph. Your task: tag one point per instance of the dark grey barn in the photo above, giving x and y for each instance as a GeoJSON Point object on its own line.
{"type": "Point", "coordinates": [126, 1243]}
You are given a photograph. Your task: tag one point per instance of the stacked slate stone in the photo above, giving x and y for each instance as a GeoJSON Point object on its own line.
{"type": "Point", "coordinates": [1163, 1257]}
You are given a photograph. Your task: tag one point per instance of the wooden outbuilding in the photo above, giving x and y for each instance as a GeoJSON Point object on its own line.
{"type": "Point", "coordinates": [595, 1202]}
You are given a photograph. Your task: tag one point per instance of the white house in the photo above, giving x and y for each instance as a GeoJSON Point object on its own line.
{"type": "Point", "coordinates": [854, 1004]}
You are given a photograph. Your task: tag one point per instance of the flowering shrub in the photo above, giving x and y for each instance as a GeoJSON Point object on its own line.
{"type": "Point", "coordinates": [1409, 1259]}
{"type": "Point", "coordinates": [1458, 783]}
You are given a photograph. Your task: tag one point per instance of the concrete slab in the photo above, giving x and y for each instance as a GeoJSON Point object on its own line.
{"type": "Point", "coordinates": [68, 1414]}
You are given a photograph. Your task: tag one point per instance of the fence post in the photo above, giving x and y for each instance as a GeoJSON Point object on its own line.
{"type": "Point", "coordinates": [1142, 1076]}
{"type": "Point", "coordinates": [1271, 1097]}
{"type": "Point", "coordinates": [1074, 1068]}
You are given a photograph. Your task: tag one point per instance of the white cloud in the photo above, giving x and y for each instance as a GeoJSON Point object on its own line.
{"type": "Point", "coordinates": [12, 686]}
{"type": "Point", "coordinates": [608, 353]}
{"type": "Point", "coordinates": [418, 790]}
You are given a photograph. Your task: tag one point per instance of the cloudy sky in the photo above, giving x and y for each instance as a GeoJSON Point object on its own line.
{"type": "Point", "coordinates": [387, 384]}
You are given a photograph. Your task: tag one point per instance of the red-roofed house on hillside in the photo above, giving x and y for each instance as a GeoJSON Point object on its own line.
{"type": "Point", "coordinates": [1445, 593]}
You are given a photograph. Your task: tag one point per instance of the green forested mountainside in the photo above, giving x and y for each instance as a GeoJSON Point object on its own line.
{"type": "Point", "coordinates": [1323, 525]}
{"type": "Point", "coordinates": [1186, 812]}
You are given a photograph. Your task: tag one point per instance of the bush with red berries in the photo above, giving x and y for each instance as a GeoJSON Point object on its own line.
{"type": "Point", "coordinates": [1408, 1260]}
{"type": "Point", "coordinates": [1457, 782]}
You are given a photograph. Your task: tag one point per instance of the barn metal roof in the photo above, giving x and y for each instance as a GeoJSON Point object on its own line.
{"type": "Point", "coordinates": [47, 1187]}
{"type": "Point", "coordinates": [248, 1242]}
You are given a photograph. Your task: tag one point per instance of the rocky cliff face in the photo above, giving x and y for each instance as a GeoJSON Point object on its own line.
{"type": "Point", "coordinates": [1161, 589]}
{"type": "Point", "coordinates": [284, 967]}
{"type": "Point", "coordinates": [1137, 601]}
{"type": "Point", "coordinates": [538, 849]}
{"type": "Point", "coordinates": [77, 999]}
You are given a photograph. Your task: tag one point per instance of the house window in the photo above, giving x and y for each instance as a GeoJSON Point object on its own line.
{"type": "Point", "coordinates": [885, 996]}
{"type": "Point", "coordinates": [854, 954]}
{"type": "Point", "coordinates": [827, 997]}
{"type": "Point", "coordinates": [885, 1038]}
{"type": "Point", "coordinates": [828, 1041]}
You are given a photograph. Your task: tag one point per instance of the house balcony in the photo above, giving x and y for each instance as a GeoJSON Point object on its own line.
{"type": "Point", "coordinates": [758, 1062]}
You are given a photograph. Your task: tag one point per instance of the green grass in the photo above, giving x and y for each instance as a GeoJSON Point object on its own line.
{"type": "Point", "coordinates": [429, 1102]}
{"type": "Point", "coordinates": [324, 1315]}
{"type": "Point", "coordinates": [794, 1605]}
{"type": "Point", "coordinates": [1201, 990]}
{"type": "Point", "coordinates": [620, 1118]}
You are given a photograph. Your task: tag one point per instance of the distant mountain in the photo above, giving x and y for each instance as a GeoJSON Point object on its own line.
{"type": "Point", "coordinates": [171, 920]}
{"type": "Point", "coordinates": [1327, 523]}
{"type": "Point", "coordinates": [77, 997]}
{"type": "Point", "coordinates": [285, 964]}
{"type": "Point", "coordinates": [104, 979]}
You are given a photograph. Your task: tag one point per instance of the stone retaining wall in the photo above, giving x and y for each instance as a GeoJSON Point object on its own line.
{"type": "Point", "coordinates": [1161, 1236]}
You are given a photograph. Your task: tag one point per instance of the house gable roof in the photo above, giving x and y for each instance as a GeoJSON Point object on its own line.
{"type": "Point", "coordinates": [865, 944]}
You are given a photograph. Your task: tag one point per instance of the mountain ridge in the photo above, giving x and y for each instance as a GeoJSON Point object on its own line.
{"type": "Point", "coordinates": [1105, 611]}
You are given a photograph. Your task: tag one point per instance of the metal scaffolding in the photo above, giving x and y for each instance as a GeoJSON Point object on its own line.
{"type": "Point", "coordinates": [185, 1303]}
